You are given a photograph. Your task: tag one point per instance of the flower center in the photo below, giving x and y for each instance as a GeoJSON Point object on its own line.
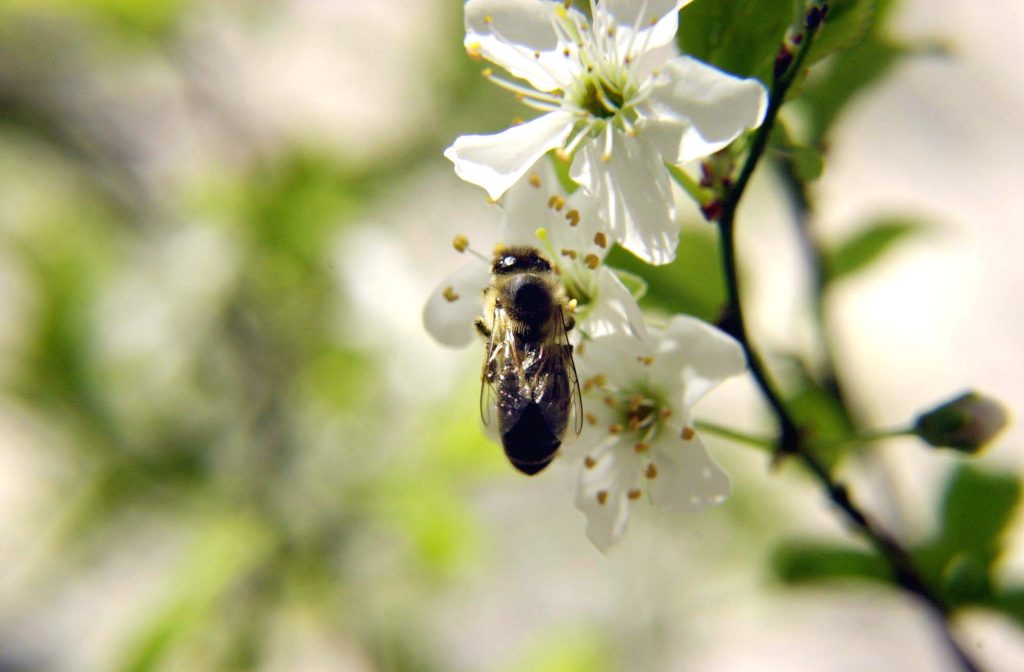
{"type": "Point", "coordinates": [638, 416]}
{"type": "Point", "coordinates": [599, 99]}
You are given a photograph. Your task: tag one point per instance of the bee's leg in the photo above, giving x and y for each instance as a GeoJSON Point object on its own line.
{"type": "Point", "coordinates": [482, 327]}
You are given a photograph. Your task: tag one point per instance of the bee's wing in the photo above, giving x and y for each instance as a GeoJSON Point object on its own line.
{"type": "Point", "coordinates": [574, 382]}
{"type": "Point", "coordinates": [494, 357]}
{"type": "Point", "coordinates": [554, 384]}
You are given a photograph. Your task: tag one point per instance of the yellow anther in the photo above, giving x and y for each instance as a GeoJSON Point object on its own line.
{"type": "Point", "coordinates": [499, 249]}
{"type": "Point", "coordinates": [646, 361]}
{"type": "Point", "coordinates": [651, 471]}
{"type": "Point", "coordinates": [573, 216]}
{"type": "Point", "coordinates": [592, 261]}
{"type": "Point", "coordinates": [634, 423]}
{"type": "Point", "coordinates": [487, 72]}
{"type": "Point", "coordinates": [569, 253]}
{"type": "Point", "coordinates": [534, 180]}
{"type": "Point", "coordinates": [590, 418]}
{"type": "Point", "coordinates": [475, 51]}
{"type": "Point", "coordinates": [602, 497]}
{"type": "Point", "coordinates": [571, 305]}
{"type": "Point", "coordinates": [562, 155]}
{"type": "Point", "coordinates": [488, 20]}
{"type": "Point", "coordinates": [615, 428]}
{"type": "Point", "coordinates": [641, 447]}
{"type": "Point", "coordinates": [634, 494]}
{"type": "Point", "coordinates": [460, 243]}
{"type": "Point", "coordinates": [688, 433]}
{"type": "Point", "coordinates": [665, 413]}
{"type": "Point", "coordinates": [589, 462]}
{"type": "Point", "coordinates": [566, 52]}
{"type": "Point", "coordinates": [449, 294]}
{"type": "Point", "coordinates": [517, 121]}
{"type": "Point", "coordinates": [601, 240]}
{"type": "Point", "coordinates": [610, 402]}
{"type": "Point", "coordinates": [556, 203]}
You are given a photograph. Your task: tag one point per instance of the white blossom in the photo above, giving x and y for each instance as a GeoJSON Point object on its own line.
{"type": "Point", "coordinates": [638, 436]}
{"type": "Point", "coordinates": [538, 213]}
{"type": "Point", "coordinates": [615, 97]}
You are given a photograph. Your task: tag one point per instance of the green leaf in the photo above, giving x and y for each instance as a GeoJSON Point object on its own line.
{"type": "Point", "coordinates": [691, 284]}
{"type": "Point", "coordinates": [847, 23]}
{"type": "Point", "coordinates": [741, 37]}
{"type": "Point", "coordinates": [976, 508]}
{"type": "Point", "coordinates": [805, 562]}
{"type": "Point", "coordinates": [866, 247]}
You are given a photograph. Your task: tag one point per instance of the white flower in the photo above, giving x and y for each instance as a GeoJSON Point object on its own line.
{"type": "Point", "coordinates": [639, 431]}
{"type": "Point", "coordinates": [611, 89]}
{"type": "Point", "coordinates": [538, 213]}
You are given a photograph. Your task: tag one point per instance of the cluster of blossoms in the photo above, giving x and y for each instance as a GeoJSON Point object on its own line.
{"type": "Point", "coordinates": [621, 105]}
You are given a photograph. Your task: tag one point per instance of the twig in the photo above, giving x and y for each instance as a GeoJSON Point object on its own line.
{"type": "Point", "coordinates": [790, 440]}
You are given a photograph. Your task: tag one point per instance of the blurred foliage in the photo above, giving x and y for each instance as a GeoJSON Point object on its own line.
{"type": "Point", "coordinates": [257, 437]}
{"type": "Point", "coordinates": [960, 560]}
{"type": "Point", "coordinates": [867, 246]}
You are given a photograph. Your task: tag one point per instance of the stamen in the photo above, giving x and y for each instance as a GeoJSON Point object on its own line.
{"type": "Point", "coordinates": [569, 253]}
{"type": "Point", "coordinates": [634, 494]}
{"type": "Point", "coordinates": [589, 462]}
{"type": "Point", "coordinates": [688, 433]}
{"type": "Point", "coordinates": [460, 242]}
{"type": "Point", "coordinates": [608, 133]}
{"type": "Point", "coordinates": [646, 361]}
{"type": "Point", "coordinates": [641, 447]}
{"type": "Point", "coordinates": [615, 428]}
{"type": "Point", "coordinates": [475, 51]}
{"type": "Point", "coordinates": [590, 418]}
{"type": "Point", "coordinates": [556, 203]}
{"type": "Point", "coordinates": [602, 497]}
{"type": "Point", "coordinates": [600, 239]}
{"type": "Point", "coordinates": [526, 92]}
{"type": "Point", "coordinates": [651, 471]}
{"type": "Point", "coordinates": [534, 180]}
{"type": "Point", "coordinates": [449, 294]}
{"type": "Point", "coordinates": [573, 216]}
{"type": "Point", "coordinates": [592, 261]}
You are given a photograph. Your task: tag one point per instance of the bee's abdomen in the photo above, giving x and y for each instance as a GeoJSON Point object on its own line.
{"type": "Point", "coordinates": [529, 443]}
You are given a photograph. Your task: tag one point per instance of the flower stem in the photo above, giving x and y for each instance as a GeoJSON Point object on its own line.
{"type": "Point", "coordinates": [790, 440]}
{"type": "Point", "coordinates": [763, 442]}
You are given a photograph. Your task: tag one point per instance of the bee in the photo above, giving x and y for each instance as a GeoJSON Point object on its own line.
{"type": "Point", "coordinates": [528, 371]}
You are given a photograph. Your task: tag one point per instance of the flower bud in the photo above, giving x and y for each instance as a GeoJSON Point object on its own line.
{"type": "Point", "coordinates": [965, 423]}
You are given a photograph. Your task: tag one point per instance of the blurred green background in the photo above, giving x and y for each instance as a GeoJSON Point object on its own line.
{"type": "Point", "coordinates": [227, 444]}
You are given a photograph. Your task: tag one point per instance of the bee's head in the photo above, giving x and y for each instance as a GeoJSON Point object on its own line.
{"type": "Point", "coordinates": [519, 260]}
{"type": "Point", "coordinates": [529, 298]}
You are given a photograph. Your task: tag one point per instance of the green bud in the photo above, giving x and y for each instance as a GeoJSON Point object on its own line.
{"type": "Point", "coordinates": [965, 423]}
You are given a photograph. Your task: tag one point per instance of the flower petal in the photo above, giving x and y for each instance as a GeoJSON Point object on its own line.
{"type": "Point", "coordinates": [660, 17]}
{"type": "Point", "coordinates": [717, 105]}
{"type": "Point", "coordinates": [603, 495]}
{"type": "Point", "coordinates": [519, 36]}
{"type": "Point", "coordinates": [496, 161]}
{"type": "Point", "coordinates": [616, 312]}
{"type": "Point", "coordinates": [634, 194]}
{"type": "Point", "coordinates": [698, 356]}
{"type": "Point", "coordinates": [687, 478]}
{"type": "Point", "coordinates": [449, 319]}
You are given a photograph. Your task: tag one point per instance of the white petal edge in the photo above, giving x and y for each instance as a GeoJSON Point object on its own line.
{"type": "Point", "coordinates": [697, 355]}
{"type": "Point", "coordinates": [661, 18]}
{"type": "Point", "coordinates": [451, 322]}
{"type": "Point", "coordinates": [633, 192]}
{"type": "Point", "coordinates": [495, 162]}
{"type": "Point", "coordinates": [518, 35]}
{"type": "Point", "coordinates": [688, 479]}
{"type": "Point", "coordinates": [616, 472]}
{"type": "Point", "coordinates": [616, 313]}
{"type": "Point", "coordinates": [717, 105]}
